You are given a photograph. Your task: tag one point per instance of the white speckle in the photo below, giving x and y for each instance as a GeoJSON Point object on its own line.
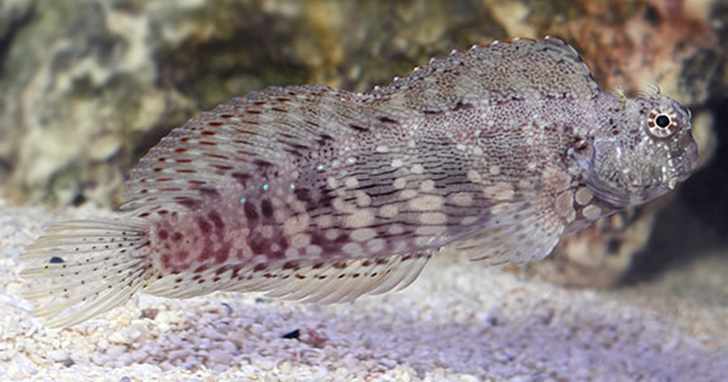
{"type": "Point", "coordinates": [382, 149]}
{"type": "Point", "coordinates": [431, 230]}
{"type": "Point", "coordinates": [295, 224]}
{"type": "Point", "coordinates": [460, 147]}
{"type": "Point", "coordinates": [397, 163]}
{"type": "Point", "coordinates": [418, 169]}
{"type": "Point", "coordinates": [423, 241]}
{"type": "Point", "coordinates": [324, 221]}
{"type": "Point", "coordinates": [292, 253]}
{"type": "Point", "coordinates": [477, 151]}
{"type": "Point", "coordinates": [494, 170]}
{"type": "Point", "coordinates": [266, 231]}
{"type": "Point", "coordinates": [360, 218]}
{"type": "Point", "coordinates": [342, 206]}
{"type": "Point", "coordinates": [407, 194]}
{"type": "Point", "coordinates": [400, 183]}
{"type": "Point", "coordinates": [426, 203]}
{"type": "Point", "coordinates": [499, 191]}
{"type": "Point", "coordinates": [362, 199]}
{"type": "Point", "coordinates": [474, 176]}
{"type": "Point", "coordinates": [427, 185]}
{"type": "Point", "coordinates": [433, 218]}
{"type": "Point", "coordinates": [363, 234]}
{"type": "Point", "coordinates": [301, 240]}
{"type": "Point", "coordinates": [468, 220]}
{"type": "Point", "coordinates": [592, 212]}
{"type": "Point", "coordinates": [313, 250]}
{"type": "Point", "coordinates": [395, 229]}
{"type": "Point", "coordinates": [463, 199]}
{"type": "Point", "coordinates": [351, 182]}
{"type": "Point", "coordinates": [388, 211]}
{"type": "Point", "coordinates": [400, 246]}
{"type": "Point", "coordinates": [376, 245]}
{"type": "Point", "coordinates": [351, 160]}
{"type": "Point", "coordinates": [332, 234]}
{"type": "Point", "coordinates": [352, 249]}
{"type": "Point", "coordinates": [331, 182]}
{"type": "Point", "coordinates": [411, 143]}
{"type": "Point", "coordinates": [583, 196]}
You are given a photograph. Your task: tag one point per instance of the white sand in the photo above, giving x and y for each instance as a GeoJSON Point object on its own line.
{"type": "Point", "coordinates": [460, 321]}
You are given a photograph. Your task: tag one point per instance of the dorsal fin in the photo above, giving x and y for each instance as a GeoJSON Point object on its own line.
{"type": "Point", "coordinates": [253, 137]}
{"type": "Point", "coordinates": [502, 70]}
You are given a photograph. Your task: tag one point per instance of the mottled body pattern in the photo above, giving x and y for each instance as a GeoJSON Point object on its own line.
{"type": "Point", "coordinates": [322, 194]}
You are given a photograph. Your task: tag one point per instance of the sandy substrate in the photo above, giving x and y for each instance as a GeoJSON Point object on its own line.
{"type": "Point", "coordinates": [459, 322]}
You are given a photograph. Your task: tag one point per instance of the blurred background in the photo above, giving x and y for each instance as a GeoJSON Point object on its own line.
{"type": "Point", "coordinates": [88, 86]}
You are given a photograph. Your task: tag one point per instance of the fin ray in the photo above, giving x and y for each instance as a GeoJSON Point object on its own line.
{"type": "Point", "coordinates": [83, 268]}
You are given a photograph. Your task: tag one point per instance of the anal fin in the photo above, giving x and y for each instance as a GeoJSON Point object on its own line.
{"type": "Point", "coordinates": [315, 281]}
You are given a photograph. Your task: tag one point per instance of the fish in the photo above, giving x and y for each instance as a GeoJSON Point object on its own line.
{"type": "Point", "coordinates": [322, 195]}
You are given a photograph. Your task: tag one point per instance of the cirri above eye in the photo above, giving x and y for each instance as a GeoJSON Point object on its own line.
{"type": "Point", "coordinates": [662, 124]}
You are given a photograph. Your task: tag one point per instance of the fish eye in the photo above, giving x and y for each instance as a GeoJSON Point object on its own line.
{"type": "Point", "coordinates": [662, 124]}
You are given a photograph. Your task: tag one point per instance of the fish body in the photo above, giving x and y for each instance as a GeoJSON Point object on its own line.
{"type": "Point", "coordinates": [323, 195]}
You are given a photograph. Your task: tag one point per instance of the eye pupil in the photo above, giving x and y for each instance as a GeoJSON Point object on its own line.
{"type": "Point", "coordinates": [662, 121]}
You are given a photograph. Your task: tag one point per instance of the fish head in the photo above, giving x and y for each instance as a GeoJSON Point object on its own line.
{"type": "Point", "coordinates": [643, 150]}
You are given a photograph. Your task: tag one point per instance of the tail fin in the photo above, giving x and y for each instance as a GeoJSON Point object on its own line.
{"type": "Point", "coordinates": [80, 269]}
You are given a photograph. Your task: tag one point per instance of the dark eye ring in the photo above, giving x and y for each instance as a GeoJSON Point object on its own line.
{"type": "Point", "coordinates": [661, 124]}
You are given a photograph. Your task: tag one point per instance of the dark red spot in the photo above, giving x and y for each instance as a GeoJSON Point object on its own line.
{"type": "Point", "coordinates": [266, 207]}
{"type": "Point", "coordinates": [209, 192]}
{"type": "Point", "coordinates": [250, 213]}
{"type": "Point", "coordinates": [186, 171]}
{"type": "Point", "coordinates": [183, 160]}
{"type": "Point", "coordinates": [257, 246]}
{"type": "Point", "coordinates": [358, 128]}
{"type": "Point", "coordinates": [181, 255]}
{"type": "Point", "coordinates": [222, 254]}
{"type": "Point", "coordinates": [157, 169]}
{"type": "Point", "coordinates": [213, 123]}
{"type": "Point", "coordinates": [262, 163]}
{"type": "Point", "coordinates": [216, 220]}
{"type": "Point", "coordinates": [222, 167]}
{"type": "Point", "coordinates": [177, 236]}
{"type": "Point", "coordinates": [253, 111]}
{"type": "Point", "coordinates": [163, 234]}
{"type": "Point", "coordinates": [180, 150]}
{"type": "Point", "coordinates": [200, 269]}
{"type": "Point", "coordinates": [218, 156]}
{"type": "Point", "coordinates": [186, 202]}
{"type": "Point", "coordinates": [205, 227]}
{"type": "Point", "coordinates": [207, 143]}
{"type": "Point", "coordinates": [260, 267]}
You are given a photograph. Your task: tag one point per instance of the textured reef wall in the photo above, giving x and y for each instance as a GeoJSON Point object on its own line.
{"type": "Point", "coordinates": [86, 87]}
